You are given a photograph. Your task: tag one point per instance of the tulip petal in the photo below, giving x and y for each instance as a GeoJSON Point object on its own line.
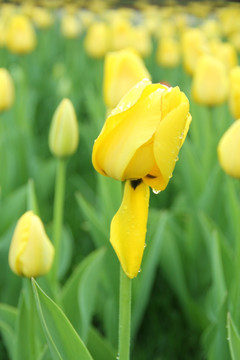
{"type": "Point", "coordinates": [168, 141]}
{"type": "Point", "coordinates": [121, 138]}
{"type": "Point", "coordinates": [129, 226]}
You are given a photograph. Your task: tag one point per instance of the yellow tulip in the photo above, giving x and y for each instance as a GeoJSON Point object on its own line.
{"type": "Point", "coordinates": [234, 93]}
{"type": "Point", "coordinates": [64, 135]}
{"type": "Point", "coordinates": [20, 38]}
{"type": "Point", "coordinates": [31, 252]}
{"type": "Point", "coordinates": [168, 52]}
{"type": "Point", "coordinates": [42, 17]}
{"type": "Point", "coordinates": [210, 82]}
{"type": "Point", "coordinates": [6, 90]}
{"type": "Point", "coordinates": [122, 70]}
{"type": "Point", "coordinates": [97, 40]}
{"type": "Point", "coordinates": [142, 136]}
{"type": "Point", "coordinates": [194, 45]}
{"type": "Point", "coordinates": [226, 53]}
{"type": "Point", "coordinates": [121, 34]}
{"type": "Point", "coordinates": [141, 41]}
{"type": "Point", "coordinates": [70, 26]}
{"type": "Point", "coordinates": [228, 150]}
{"type": "Point", "coordinates": [129, 226]}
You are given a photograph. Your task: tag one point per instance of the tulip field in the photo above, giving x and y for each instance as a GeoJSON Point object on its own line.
{"type": "Point", "coordinates": [120, 180]}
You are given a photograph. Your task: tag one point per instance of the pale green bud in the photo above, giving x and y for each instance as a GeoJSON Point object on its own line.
{"type": "Point", "coordinates": [63, 135]}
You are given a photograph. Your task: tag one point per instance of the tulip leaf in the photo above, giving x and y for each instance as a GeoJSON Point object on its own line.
{"type": "Point", "coordinates": [66, 252]}
{"type": "Point", "coordinates": [100, 348]}
{"type": "Point", "coordinates": [79, 293]}
{"type": "Point", "coordinates": [142, 287]}
{"type": "Point", "coordinates": [98, 231]}
{"type": "Point", "coordinates": [64, 342]}
{"type": "Point", "coordinates": [234, 338]}
{"type": "Point", "coordinates": [9, 338]}
{"type": "Point", "coordinates": [24, 349]}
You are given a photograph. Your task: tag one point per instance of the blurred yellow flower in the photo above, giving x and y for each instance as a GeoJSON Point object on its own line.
{"type": "Point", "coordinates": [194, 45]}
{"type": "Point", "coordinates": [64, 134]}
{"type": "Point", "coordinates": [168, 52]}
{"type": "Point", "coordinates": [3, 31]}
{"type": "Point", "coordinates": [97, 40]}
{"type": "Point", "coordinates": [141, 40]}
{"type": "Point", "coordinates": [143, 135]}
{"type": "Point", "coordinates": [225, 52]}
{"type": "Point", "coordinates": [31, 252]}
{"type": "Point", "coordinates": [129, 241]}
{"type": "Point", "coordinates": [21, 38]}
{"type": "Point", "coordinates": [234, 92]}
{"type": "Point", "coordinates": [70, 26]}
{"type": "Point", "coordinates": [6, 90]}
{"type": "Point", "coordinates": [121, 33]}
{"type": "Point", "coordinates": [210, 82]}
{"type": "Point", "coordinates": [228, 150]}
{"type": "Point", "coordinates": [122, 70]}
{"type": "Point", "coordinates": [42, 17]}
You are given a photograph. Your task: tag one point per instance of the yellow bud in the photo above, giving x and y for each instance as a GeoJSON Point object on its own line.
{"type": "Point", "coordinates": [234, 93]}
{"type": "Point", "coordinates": [63, 135]}
{"type": "Point", "coordinates": [6, 90]}
{"type": "Point", "coordinates": [70, 26]}
{"type": "Point", "coordinates": [229, 149]}
{"type": "Point", "coordinates": [142, 136]}
{"type": "Point", "coordinates": [194, 45]}
{"type": "Point", "coordinates": [31, 252]}
{"type": "Point", "coordinates": [168, 52]}
{"type": "Point", "coordinates": [96, 42]}
{"type": "Point", "coordinates": [122, 70]}
{"type": "Point", "coordinates": [210, 82]}
{"type": "Point", "coordinates": [226, 53]}
{"type": "Point", "coordinates": [129, 226]}
{"type": "Point", "coordinates": [21, 38]}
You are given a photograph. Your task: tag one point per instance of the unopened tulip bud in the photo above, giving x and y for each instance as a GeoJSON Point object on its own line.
{"type": "Point", "coordinates": [6, 90]}
{"type": "Point", "coordinates": [122, 70]}
{"type": "Point", "coordinates": [21, 38]}
{"type": "Point", "coordinates": [228, 150]}
{"type": "Point", "coordinates": [234, 93]}
{"type": "Point", "coordinates": [31, 252]}
{"type": "Point", "coordinates": [210, 81]}
{"type": "Point", "coordinates": [64, 136]}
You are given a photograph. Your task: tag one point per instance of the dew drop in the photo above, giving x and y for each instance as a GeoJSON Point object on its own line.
{"type": "Point", "coordinates": [170, 176]}
{"type": "Point", "coordinates": [155, 191]}
{"type": "Point", "coordinates": [145, 245]}
{"type": "Point", "coordinates": [139, 270]}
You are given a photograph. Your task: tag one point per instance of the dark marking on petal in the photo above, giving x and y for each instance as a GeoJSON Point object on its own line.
{"type": "Point", "coordinates": [151, 176]}
{"type": "Point", "coordinates": [135, 183]}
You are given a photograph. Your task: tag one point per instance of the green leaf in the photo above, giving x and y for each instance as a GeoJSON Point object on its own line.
{"type": "Point", "coordinates": [66, 252]}
{"type": "Point", "coordinates": [24, 336]}
{"type": "Point", "coordinates": [142, 287]}
{"type": "Point", "coordinates": [98, 231]}
{"type": "Point", "coordinates": [9, 338]}
{"type": "Point", "coordinates": [234, 338]}
{"type": "Point", "coordinates": [8, 315]}
{"type": "Point", "coordinates": [100, 348]}
{"type": "Point", "coordinates": [32, 197]}
{"type": "Point", "coordinates": [64, 343]}
{"type": "Point", "coordinates": [79, 294]}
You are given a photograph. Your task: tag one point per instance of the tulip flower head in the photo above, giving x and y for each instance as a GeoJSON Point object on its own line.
{"type": "Point", "coordinates": [234, 93]}
{"type": "Point", "coordinates": [31, 252]}
{"type": "Point", "coordinates": [122, 70]}
{"type": "Point", "coordinates": [139, 143]}
{"type": "Point", "coordinates": [64, 135]}
{"type": "Point", "coordinates": [21, 38]}
{"type": "Point", "coordinates": [6, 90]}
{"type": "Point", "coordinates": [210, 82]}
{"type": "Point", "coordinates": [228, 150]}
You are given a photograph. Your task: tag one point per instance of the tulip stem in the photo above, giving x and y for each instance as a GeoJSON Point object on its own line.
{"type": "Point", "coordinates": [124, 316]}
{"type": "Point", "coordinates": [58, 213]}
{"type": "Point", "coordinates": [29, 297]}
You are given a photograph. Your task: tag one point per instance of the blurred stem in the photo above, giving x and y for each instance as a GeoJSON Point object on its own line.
{"type": "Point", "coordinates": [124, 316]}
{"type": "Point", "coordinates": [58, 214]}
{"type": "Point", "coordinates": [30, 314]}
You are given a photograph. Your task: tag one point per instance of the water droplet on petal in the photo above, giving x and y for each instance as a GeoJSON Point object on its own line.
{"type": "Point", "coordinates": [155, 191]}
{"type": "Point", "coordinates": [139, 270]}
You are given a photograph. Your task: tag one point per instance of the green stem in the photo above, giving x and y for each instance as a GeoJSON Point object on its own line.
{"type": "Point", "coordinates": [58, 214]}
{"type": "Point", "coordinates": [30, 315]}
{"type": "Point", "coordinates": [124, 316]}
